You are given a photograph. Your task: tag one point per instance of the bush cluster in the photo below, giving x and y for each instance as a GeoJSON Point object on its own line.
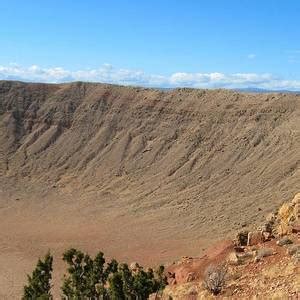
{"type": "Point", "coordinates": [94, 278]}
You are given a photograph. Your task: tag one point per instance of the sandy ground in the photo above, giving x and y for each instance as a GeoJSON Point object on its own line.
{"type": "Point", "coordinates": [30, 228]}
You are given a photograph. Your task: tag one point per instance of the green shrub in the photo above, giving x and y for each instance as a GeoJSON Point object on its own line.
{"type": "Point", "coordinates": [39, 283]}
{"type": "Point", "coordinates": [86, 276]}
{"type": "Point", "coordinates": [94, 279]}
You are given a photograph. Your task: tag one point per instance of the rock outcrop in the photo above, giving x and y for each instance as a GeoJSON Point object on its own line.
{"type": "Point", "coordinates": [264, 268]}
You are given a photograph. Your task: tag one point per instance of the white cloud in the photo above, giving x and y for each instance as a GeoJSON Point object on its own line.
{"type": "Point", "coordinates": [251, 56]}
{"type": "Point", "coordinates": [109, 74]}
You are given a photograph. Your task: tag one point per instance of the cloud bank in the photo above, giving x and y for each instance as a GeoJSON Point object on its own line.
{"type": "Point", "coordinates": [109, 74]}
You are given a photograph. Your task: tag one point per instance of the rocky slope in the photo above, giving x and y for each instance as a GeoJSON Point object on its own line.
{"type": "Point", "coordinates": [264, 267]}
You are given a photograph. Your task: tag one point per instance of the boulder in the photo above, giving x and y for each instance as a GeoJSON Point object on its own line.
{"type": "Point", "coordinates": [285, 213]}
{"type": "Point", "coordinates": [255, 237]}
{"type": "Point", "coordinates": [247, 255]}
{"type": "Point", "coordinates": [263, 252]}
{"type": "Point", "coordinates": [233, 259]}
{"type": "Point", "coordinates": [284, 241]}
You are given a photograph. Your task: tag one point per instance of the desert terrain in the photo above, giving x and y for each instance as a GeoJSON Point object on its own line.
{"type": "Point", "coordinates": [144, 175]}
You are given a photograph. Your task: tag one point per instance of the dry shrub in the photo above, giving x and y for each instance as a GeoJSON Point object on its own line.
{"type": "Point", "coordinates": [214, 278]}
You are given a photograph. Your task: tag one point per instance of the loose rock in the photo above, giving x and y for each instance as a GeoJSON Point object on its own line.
{"type": "Point", "coordinates": [263, 252]}
{"type": "Point", "coordinates": [284, 241]}
{"type": "Point", "coordinates": [254, 238]}
{"type": "Point", "coordinates": [233, 259]}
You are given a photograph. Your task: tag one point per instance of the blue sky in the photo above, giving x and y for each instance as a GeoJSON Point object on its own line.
{"type": "Point", "coordinates": [162, 43]}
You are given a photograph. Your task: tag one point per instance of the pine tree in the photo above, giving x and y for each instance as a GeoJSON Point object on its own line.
{"type": "Point", "coordinates": [128, 281]}
{"type": "Point", "coordinates": [112, 267]}
{"type": "Point", "coordinates": [116, 287]}
{"type": "Point", "coordinates": [144, 284]}
{"type": "Point", "coordinates": [93, 279]}
{"type": "Point", "coordinates": [86, 277]}
{"type": "Point", "coordinates": [74, 285]}
{"type": "Point", "coordinates": [39, 283]}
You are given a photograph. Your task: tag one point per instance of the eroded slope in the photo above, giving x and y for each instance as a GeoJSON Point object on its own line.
{"type": "Point", "coordinates": [203, 153]}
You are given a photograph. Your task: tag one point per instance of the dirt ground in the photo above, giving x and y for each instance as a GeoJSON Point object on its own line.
{"type": "Point", "coordinates": [29, 230]}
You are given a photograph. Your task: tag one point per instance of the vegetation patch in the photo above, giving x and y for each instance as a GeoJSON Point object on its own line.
{"type": "Point", "coordinates": [94, 278]}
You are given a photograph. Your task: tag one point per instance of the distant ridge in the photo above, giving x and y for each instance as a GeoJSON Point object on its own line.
{"type": "Point", "coordinates": [263, 91]}
{"type": "Point", "coordinates": [166, 89]}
